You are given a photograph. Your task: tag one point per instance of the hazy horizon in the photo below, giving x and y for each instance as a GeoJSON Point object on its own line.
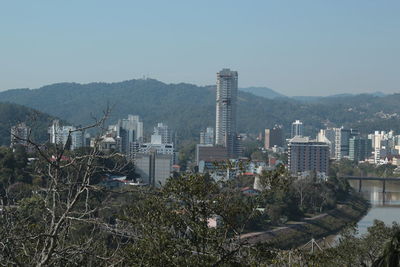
{"type": "Point", "coordinates": [296, 48]}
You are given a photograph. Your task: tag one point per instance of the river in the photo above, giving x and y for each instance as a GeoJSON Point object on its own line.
{"type": "Point", "coordinates": [384, 206]}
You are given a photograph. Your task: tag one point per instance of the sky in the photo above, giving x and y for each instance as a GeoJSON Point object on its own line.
{"type": "Point", "coordinates": [307, 47]}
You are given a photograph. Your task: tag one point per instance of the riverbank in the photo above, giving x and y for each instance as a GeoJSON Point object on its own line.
{"type": "Point", "coordinates": [298, 233]}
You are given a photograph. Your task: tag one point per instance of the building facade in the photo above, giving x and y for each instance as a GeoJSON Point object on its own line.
{"type": "Point", "coordinates": [273, 137]}
{"type": "Point", "coordinates": [359, 148]}
{"type": "Point", "coordinates": [154, 169]}
{"type": "Point", "coordinates": [307, 155]}
{"type": "Point", "coordinates": [338, 140]}
{"type": "Point", "coordinates": [226, 134]}
{"type": "Point", "coordinates": [164, 132]}
{"type": "Point", "coordinates": [127, 133]}
{"type": "Point", "coordinates": [207, 136]}
{"type": "Point", "coordinates": [62, 134]}
{"type": "Point", "coordinates": [211, 153]}
{"type": "Point", "coordinates": [19, 135]}
{"type": "Point", "coordinates": [297, 129]}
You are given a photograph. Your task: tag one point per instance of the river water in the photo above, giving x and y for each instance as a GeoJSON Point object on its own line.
{"type": "Point", "coordinates": [384, 206]}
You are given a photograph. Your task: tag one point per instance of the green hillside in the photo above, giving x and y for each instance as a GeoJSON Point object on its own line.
{"type": "Point", "coordinates": [189, 108]}
{"type": "Point", "coordinates": [12, 114]}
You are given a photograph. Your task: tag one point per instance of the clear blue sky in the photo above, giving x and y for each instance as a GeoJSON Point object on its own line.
{"type": "Point", "coordinates": [298, 47]}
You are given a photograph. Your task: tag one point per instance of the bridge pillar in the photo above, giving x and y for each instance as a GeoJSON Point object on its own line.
{"type": "Point", "coordinates": [384, 186]}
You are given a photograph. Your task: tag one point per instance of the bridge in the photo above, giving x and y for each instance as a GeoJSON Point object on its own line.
{"type": "Point", "coordinates": [364, 178]}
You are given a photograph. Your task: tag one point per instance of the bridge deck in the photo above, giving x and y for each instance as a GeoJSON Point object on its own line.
{"type": "Point", "coordinates": [372, 178]}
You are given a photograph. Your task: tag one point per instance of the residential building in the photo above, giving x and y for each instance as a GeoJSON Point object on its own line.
{"type": "Point", "coordinates": [207, 136]}
{"type": "Point", "coordinates": [164, 132]}
{"type": "Point", "coordinates": [19, 135]}
{"type": "Point", "coordinates": [227, 87]}
{"type": "Point", "coordinates": [128, 130]}
{"type": "Point", "coordinates": [359, 148]}
{"type": "Point", "coordinates": [273, 137]}
{"type": "Point", "coordinates": [128, 134]}
{"type": "Point", "coordinates": [165, 149]}
{"type": "Point", "coordinates": [157, 145]}
{"type": "Point", "coordinates": [209, 153]}
{"type": "Point", "coordinates": [338, 140]}
{"type": "Point", "coordinates": [307, 155]}
{"type": "Point", "coordinates": [297, 129]}
{"type": "Point", "coordinates": [63, 134]}
{"type": "Point", "coordinates": [383, 144]}
{"type": "Point", "coordinates": [328, 136]}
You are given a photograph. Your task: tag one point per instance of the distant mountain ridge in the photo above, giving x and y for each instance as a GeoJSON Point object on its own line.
{"type": "Point", "coordinates": [317, 98]}
{"type": "Point", "coordinates": [262, 91]}
{"type": "Point", "coordinates": [188, 108]}
{"type": "Point", "coordinates": [272, 94]}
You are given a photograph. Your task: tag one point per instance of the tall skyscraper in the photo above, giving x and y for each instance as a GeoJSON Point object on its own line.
{"type": "Point", "coordinates": [227, 86]}
{"type": "Point", "coordinates": [297, 129]}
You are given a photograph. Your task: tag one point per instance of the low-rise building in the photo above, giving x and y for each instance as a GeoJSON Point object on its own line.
{"type": "Point", "coordinates": [153, 168]}
{"type": "Point", "coordinates": [210, 153]}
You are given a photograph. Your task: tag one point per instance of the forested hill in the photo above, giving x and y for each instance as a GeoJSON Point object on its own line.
{"type": "Point", "coordinates": [12, 114]}
{"type": "Point", "coordinates": [189, 108]}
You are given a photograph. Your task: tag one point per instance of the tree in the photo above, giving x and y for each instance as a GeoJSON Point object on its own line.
{"type": "Point", "coordinates": [171, 226]}
{"type": "Point", "coordinates": [259, 156]}
{"type": "Point", "coordinates": [301, 187]}
{"type": "Point", "coordinates": [59, 223]}
{"type": "Point", "coordinates": [391, 253]}
{"type": "Point", "coordinates": [378, 247]}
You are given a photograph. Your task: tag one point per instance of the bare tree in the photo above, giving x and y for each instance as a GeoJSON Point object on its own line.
{"type": "Point", "coordinates": [302, 186]}
{"type": "Point", "coordinates": [60, 225]}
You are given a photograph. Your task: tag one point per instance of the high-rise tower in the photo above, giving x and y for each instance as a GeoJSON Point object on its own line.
{"type": "Point", "coordinates": [297, 129]}
{"type": "Point", "coordinates": [227, 86]}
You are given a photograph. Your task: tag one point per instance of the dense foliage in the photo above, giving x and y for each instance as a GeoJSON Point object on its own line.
{"type": "Point", "coordinates": [65, 219]}
{"type": "Point", "coordinates": [15, 175]}
{"type": "Point", "coordinates": [346, 167]}
{"type": "Point", "coordinates": [56, 212]}
{"type": "Point", "coordinates": [378, 247]}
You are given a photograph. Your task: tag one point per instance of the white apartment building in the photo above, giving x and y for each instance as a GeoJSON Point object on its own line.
{"type": "Point", "coordinates": [207, 136]}
{"type": "Point", "coordinates": [164, 132]}
{"type": "Point", "coordinates": [60, 134]}
{"type": "Point", "coordinates": [297, 129]}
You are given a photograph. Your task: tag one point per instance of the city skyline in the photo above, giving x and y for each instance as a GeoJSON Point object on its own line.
{"type": "Point", "coordinates": [127, 137]}
{"type": "Point", "coordinates": [295, 48]}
